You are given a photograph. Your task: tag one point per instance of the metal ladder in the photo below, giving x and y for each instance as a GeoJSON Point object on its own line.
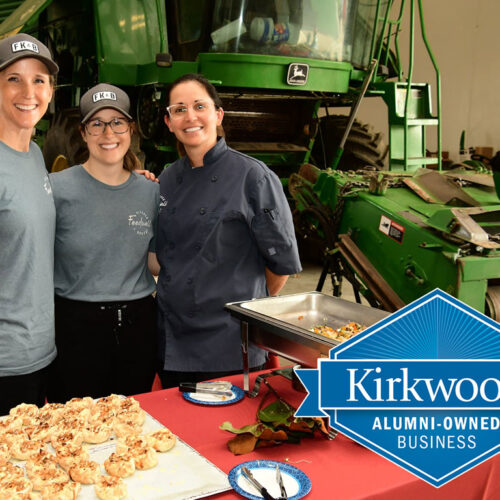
{"type": "Point", "coordinates": [409, 103]}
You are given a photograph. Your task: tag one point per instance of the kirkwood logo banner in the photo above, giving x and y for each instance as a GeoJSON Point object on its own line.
{"type": "Point", "coordinates": [421, 388]}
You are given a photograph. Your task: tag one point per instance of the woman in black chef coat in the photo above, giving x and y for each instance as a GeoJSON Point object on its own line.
{"type": "Point", "coordinates": [225, 234]}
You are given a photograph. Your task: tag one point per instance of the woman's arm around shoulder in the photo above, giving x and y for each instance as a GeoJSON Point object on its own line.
{"type": "Point", "coordinates": [153, 264]}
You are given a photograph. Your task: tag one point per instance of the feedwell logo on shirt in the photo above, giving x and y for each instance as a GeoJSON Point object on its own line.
{"type": "Point", "coordinates": [421, 388]}
{"type": "Point", "coordinates": [140, 222]}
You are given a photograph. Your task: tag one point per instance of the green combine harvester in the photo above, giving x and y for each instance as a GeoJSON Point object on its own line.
{"type": "Point", "coordinates": [391, 221]}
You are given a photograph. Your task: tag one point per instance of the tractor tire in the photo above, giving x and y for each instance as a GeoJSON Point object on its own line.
{"type": "Point", "coordinates": [363, 147]}
{"type": "Point", "coordinates": [64, 138]}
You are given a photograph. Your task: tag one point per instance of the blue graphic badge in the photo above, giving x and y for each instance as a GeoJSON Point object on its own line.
{"type": "Point", "coordinates": [421, 388]}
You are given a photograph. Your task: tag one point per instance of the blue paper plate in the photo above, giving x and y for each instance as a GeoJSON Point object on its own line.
{"type": "Point", "coordinates": [297, 484]}
{"type": "Point", "coordinates": [212, 400]}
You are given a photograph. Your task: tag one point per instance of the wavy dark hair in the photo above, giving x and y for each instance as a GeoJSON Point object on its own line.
{"type": "Point", "coordinates": [195, 77]}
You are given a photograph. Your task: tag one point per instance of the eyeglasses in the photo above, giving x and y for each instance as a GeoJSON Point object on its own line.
{"type": "Point", "coordinates": [178, 111]}
{"type": "Point", "coordinates": [98, 127]}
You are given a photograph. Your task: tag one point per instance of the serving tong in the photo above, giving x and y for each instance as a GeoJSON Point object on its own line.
{"type": "Point", "coordinates": [284, 496]}
{"type": "Point", "coordinates": [217, 388]}
{"type": "Point", "coordinates": [263, 491]}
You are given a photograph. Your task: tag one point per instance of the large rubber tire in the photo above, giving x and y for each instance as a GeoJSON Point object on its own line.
{"type": "Point", "coordinates": [363, 147]}
{"type": "Point", "coordinates": [64, 138]}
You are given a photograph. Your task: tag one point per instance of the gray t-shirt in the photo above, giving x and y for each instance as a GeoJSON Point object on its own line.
{"type": "Point", "coordinates": [27, 224]}
{"type": "Point", "coordinates": [103, 235]}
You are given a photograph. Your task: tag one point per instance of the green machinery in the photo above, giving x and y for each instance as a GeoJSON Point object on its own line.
{"type": "Point", "coordinates": [396, 227]}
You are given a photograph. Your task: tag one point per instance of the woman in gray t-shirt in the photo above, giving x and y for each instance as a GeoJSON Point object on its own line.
{"type": "Point", "coordinates": [106, 215]}
{"type": "Point", "coordinates": [27, 220]}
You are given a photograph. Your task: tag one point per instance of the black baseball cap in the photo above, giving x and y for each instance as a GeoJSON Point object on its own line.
{"type": "Point", "coordinates": [22, 45]}
{"type": "Point", "coordinates": [104, 96]}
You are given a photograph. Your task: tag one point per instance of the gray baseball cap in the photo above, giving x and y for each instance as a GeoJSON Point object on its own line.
{"type": "Point", "coordinates": [104, 96]}
{"type": "Point", "coordinates": [22, 45]}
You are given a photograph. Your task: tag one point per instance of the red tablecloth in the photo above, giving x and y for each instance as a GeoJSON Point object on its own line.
{"type": "Point", "coordinates": [339, 469]}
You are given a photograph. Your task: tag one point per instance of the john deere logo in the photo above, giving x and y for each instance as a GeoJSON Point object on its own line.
{"type": "Point", "coordinates": [297, 74]}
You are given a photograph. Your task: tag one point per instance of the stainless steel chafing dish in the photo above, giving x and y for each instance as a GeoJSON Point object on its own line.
{"type": "Point", "coordinates": [281, 325]}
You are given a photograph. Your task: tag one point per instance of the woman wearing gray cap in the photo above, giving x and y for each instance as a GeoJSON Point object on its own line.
{"type": "Point", "coordinates": [106, 216]}
{"type": "Point", "coordinates": [27, 222]}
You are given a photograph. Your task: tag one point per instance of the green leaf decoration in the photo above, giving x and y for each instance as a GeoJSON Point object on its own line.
{"type": "Point", "coordinates": [277, 413]}
{"type": "Point", "coordinates": [255, 429]}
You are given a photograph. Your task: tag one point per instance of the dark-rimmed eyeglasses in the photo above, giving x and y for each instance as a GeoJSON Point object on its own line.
{"type": "Point", "coordinates": [98, 127]}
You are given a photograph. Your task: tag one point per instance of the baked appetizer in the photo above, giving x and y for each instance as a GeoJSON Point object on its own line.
{"type": "Point", "coordinates": [15, 489]}
{"type": "Point", "coordinates": [4, 453]}
{"type": "Point", "coordinates": [145, 459]}
{"type": "Point", "coordinates": [24, 449]}
{"type": "Point", "coordinates": [67, 456]}
{"type": "Point", "coordinates": [85, 471]}
{"type": "Point", "coordinates": [120, 465]}
{"type": "Point", "coordinates": [61, 491]}
{"type": "Point", "coordinates": [42, 478]}
{"type": "Point", "coordinates": [9, 472]}
{"type": "Point", "coordinates": [162, 440]}
{"type": "Point", "coordinates": [60, 439]}
{"type": "Point", "coordinates": [110, 488]}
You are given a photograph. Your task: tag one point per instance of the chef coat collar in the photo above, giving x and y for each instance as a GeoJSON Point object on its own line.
{"type": "Point", "coordinates": [212, 155]}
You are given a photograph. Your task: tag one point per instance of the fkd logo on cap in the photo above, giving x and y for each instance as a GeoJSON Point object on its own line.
{"type": "Point", "coordinates": [99, 96]}
{"type": "Point", "coordinates": [25, 45]}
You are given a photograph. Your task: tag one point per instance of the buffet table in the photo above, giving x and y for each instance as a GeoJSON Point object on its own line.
{"type": "Point", "coordinates": [339, 469]}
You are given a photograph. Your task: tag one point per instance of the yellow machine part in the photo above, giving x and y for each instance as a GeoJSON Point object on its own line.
{"type": "Point", "coordinates": [60, 163]}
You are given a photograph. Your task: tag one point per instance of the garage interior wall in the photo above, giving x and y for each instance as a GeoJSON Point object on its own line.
{"type": "Point", "coordinates": [465, 39]}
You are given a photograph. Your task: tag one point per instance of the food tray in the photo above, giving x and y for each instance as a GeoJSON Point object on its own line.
{"type": "Point", "coordinates": [181, 474]}
{"type": "Point", "coordinates": [281, 324]}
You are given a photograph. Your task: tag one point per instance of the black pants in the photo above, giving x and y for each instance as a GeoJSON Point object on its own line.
{"type": "Point", "coordinates": [173, 379]}
{"type": "Point", "coordinates": [16, 389]}
{"type": "Point", "coordinates": [103, 348]}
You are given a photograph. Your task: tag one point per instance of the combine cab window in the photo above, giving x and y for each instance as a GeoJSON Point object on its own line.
{"type": "Point", "coordinates": [190, 20]}
{"type": "Point", "coordinates": [313, 29]}
{"type": "Point", "coordinates": [128, 31]}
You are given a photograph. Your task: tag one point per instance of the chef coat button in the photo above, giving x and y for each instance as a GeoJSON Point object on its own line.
{"type": "Point", "coordinates": [167, 277]}
{"type": "Point", "coordinates": [190, 281]}
{"type": "Point", "coordinates": [214, 178]}
{"type": "Point", "coordinates": [172, 211]}
{"type": "Point", "coordinates": [197, 246]}
{"type": "Point", "coordinates": [171, 245]}
{"type": "Point", "coordinates": [203, 211]}
{"type": "Point", "coordinates": [179, 180]}
{"type": "Point", "coordinates": [191, 314]}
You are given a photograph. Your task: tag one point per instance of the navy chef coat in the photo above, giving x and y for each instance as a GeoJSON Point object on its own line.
{"type": "Point", "coordinates": [219, 226]}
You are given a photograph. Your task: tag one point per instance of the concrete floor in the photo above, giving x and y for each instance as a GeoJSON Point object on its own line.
{"type": "Point", "coordinates": [307, 280]}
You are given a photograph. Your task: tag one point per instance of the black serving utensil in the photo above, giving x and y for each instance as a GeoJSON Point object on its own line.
{"type": "Point", "coordinates": [217, 389]}
{"type": "Point", "coordinates": [279, 479]}
{"type": "Point", "coordinates": [248, 475]}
